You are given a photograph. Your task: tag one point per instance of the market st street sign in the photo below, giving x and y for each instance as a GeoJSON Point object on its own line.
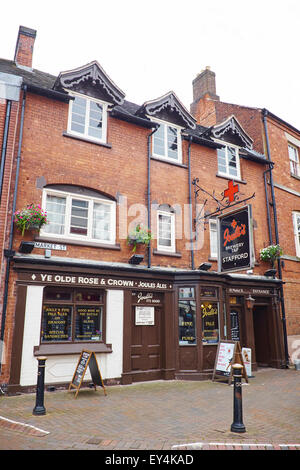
{"type": "Point", "coordinates": [235, 240]}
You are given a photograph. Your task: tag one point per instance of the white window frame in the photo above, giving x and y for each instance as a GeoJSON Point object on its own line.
{"type": "Point", "coordinates": [165, 125]}
{"type": "Point", "coordinates": [213, 239]}
{"type": "Point", "coordinates": [296, 161]}
{"type": "Point", "coordinates": [67, 235]}
{"type": "Point", "coordinates": [296, 215]}
{"type": "Point", "coordinates": [237, 157]}
{"type": "Point", "coordinates": [85, 135]}
{"type": "Point", "coordinates": [172, 247]}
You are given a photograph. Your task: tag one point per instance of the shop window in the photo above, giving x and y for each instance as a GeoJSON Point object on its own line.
{"type": "Point", "coordinates": [72, 315]}
{"type": "Point", "coordinates": [210, 322]}
{"type": "Point", "coordinates": [79, 217]}
{"type": "Point", "coordinates": [88, 118]}
{"type": "Point", "coordinates": [229, 162]}
{"type": "Point", "coordinates": [187, 316]}
{"type": "Point", "coordinates": [166, 142]}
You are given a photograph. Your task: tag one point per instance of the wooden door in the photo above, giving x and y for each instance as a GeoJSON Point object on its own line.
{"type": "Point", "coordinates": [146, 348]}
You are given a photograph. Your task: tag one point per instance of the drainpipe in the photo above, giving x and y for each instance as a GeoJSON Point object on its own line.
{"type": "Point", "coordinates": [264, 115]}
{"type": "Point", "coordinates": [149, 192]}
{"type": "Point", "coordinates": [9, 252]}
{"type": "Point", "coordinates": [190, 203]}
{"type": "Point", "coordinates": [4, 144]}
{"type": "Point", "coordinates": [268, 204]}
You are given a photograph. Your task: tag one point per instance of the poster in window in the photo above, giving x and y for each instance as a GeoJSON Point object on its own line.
{"type": "Point", "coordinates": [88, 323]}
{"type": "Point", "coordinates": [144, 316]}
{"type": "Point", "coordinates": [210, 322]}
{"type": "Point", "coordinates": [235, 326]}
{"type": "Point", "coordinates": [56, 323]}
{"type": "Point", "coordinates": [235, 240]}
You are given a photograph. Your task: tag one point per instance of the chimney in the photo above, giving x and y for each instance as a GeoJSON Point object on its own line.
{"type": "Point", "coordinates": [24, 47]}
{"type": "Point", "coordinates": [205, 83]}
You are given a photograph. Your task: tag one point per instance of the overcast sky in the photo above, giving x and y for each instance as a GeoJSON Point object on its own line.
{"type": "Point", "coordinates": [151, 47]}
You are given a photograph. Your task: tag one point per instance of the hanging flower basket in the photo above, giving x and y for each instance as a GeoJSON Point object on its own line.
{"type": "Point", "coordinates": [32, 217]}
{"type": "Point", "coordinates": [138, 236]}
{"type": "Point", "coordinates": [271, 253]}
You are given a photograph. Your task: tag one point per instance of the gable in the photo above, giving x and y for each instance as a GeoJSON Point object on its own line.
{"type": "Point", "coordinates": [168, 108]}
{"type": "Point", "coordinates": [90, 80]}
{"type": "Point", "coordinates": [232, 132]}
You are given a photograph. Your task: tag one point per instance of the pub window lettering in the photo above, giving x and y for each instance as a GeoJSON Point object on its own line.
{"type": "Point", "coordinates": [77, 217]}
{"type": "Point", "coordinates": [210, 322]}
{"type": "Point", "coordinates": [72, 315]}
{"type": "Point", "coordinates": [187, 316]}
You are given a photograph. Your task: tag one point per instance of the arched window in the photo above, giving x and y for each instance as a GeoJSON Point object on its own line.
{"type": "Point", "coordinates": [76, 213]}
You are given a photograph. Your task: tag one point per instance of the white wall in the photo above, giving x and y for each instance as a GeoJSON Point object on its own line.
{"type": "Point", "coordinates": [61, 368]}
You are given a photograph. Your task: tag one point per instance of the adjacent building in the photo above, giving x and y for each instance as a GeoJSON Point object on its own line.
{"type": "Point", "coordinates": [104, 169]}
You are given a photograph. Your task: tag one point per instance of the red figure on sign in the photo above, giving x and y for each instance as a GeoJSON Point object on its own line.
{"type": "Point", "coordinates": [230, 192]}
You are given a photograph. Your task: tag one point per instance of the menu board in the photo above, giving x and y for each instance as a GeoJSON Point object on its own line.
{"type": "Point", "coordinates": [88, 323]}
{"type": "Point", "coordinates": [56, 325]}
{"type": "Point", "coordinates": [235, 327]}
{"type": "Point", "coordinates": [224, 359]}
{"type": "Point", "coordinates": [229, 353]}
{"type": "Point", "coordinates": [86, 359]}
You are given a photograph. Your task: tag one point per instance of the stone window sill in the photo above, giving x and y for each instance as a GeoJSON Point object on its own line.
{"type": "Point", "coordinates": [167, 253]}
{"type": "Point", "coordinates": [236, 180]}
{"type": "Point", "coordinates": [85, 139]}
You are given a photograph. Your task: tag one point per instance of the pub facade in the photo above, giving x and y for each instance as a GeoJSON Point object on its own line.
{"type": "Point", "coordinates": [103, 168]}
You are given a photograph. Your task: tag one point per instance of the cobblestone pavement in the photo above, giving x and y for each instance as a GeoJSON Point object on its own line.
{"type": "Point", "coordinates": [159, 415]}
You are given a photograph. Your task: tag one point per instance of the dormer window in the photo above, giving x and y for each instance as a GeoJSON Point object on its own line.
{"type": "Point", "coordinates": [229, 162]}
{"type": "Point", "coordinates": [88, 118]}
{"type": "Point", "coordinates": [166, 142]}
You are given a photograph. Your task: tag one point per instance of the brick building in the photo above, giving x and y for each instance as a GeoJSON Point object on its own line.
{"type": "Point", "coordinates": [280, 142]}
{"type": "Point", "coordinates": [102, 166]}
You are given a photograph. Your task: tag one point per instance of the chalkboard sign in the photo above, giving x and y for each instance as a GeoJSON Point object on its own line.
{"type": "Point", "coordinates": [86, 359]}
{"type": "Point", "coordinates": [229, 352]}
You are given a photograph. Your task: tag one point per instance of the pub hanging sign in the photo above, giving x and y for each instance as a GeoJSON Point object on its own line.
{"type": "Point", "coordinates": [235, 240]}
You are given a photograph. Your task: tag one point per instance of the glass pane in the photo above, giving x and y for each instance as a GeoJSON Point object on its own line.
{"type": "Point", "coordinates": [172, 143]}
{"type": "Point", "coordinates": [57, 294]}
{"type": "Point", "coordinates": [187, 322]}
{"type": "Point", "coordinates": [101, 221]}
{"type": "Point", "coordinates": [210, 322]}
{"type": "Point", "coordinates": [89, 296]}
{"type": "Point", "coordinates": [56, 323]}
{"type": "Point", "coordinates": [79, 217]}
{"type": "Point", "coordinates": [186, 292]}
{"type": "Point", "coordinates": [95, 132]}
{"type": "Point", "coordinates": [164, 230]}
{"type": "Point", "coordinates": [159, 141]}
{"type": "Point", "coordinates": [88, 323]}
{"type": "Point", "coordinates": [77, 128]}
{"type": "Point", "coordinates": [56, 208]}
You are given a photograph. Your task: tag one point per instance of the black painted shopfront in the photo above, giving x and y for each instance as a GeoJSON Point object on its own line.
{"type": "Point", "coordinates": [171, 321]}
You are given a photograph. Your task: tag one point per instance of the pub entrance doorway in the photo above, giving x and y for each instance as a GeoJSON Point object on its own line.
{"type": "Point", "coordinates": [262, 335]}
{"type": "Point", "coordinates": [146, 343]}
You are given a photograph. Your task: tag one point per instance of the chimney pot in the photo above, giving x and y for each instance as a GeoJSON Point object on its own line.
{"type": "Point", "coordinates": [24, 47]}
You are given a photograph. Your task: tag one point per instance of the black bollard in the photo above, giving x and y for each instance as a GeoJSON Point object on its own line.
{"type": "Point", "coordinates": [237, 425]}
{"type": "Point", "coordinates": [39, 408]}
